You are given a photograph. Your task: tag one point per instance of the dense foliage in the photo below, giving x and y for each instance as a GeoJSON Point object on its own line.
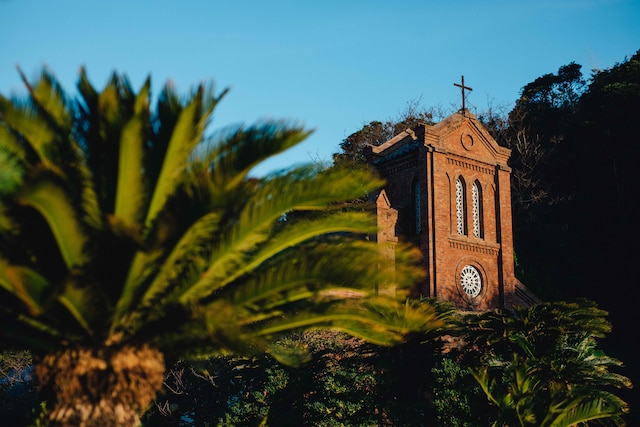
{"type": "Point", "coordinates": [344, 382]}
{"type": "Point", "coordinates": [541, 366]}
{"type": "Point", "coordinates": [538, 367]}
{"type": "Point", "coordinates": [577, 194]}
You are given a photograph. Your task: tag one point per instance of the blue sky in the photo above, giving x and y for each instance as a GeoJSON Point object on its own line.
{"type": "Point", "coordinates": [329, 65]}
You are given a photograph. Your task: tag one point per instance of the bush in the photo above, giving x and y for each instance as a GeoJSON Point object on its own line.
{"type": "Point", "coordinates": [344, 382]}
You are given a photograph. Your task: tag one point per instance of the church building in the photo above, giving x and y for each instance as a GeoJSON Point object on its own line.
{"type": "Point", "coordinates": [448, 192]}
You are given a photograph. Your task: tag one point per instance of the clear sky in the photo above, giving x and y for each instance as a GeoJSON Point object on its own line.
{"type": "Point", "coordinates": [330, 65]}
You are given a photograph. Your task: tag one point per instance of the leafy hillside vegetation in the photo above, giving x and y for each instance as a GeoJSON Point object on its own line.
{"type": "Point", "coordinates": [566, 362]}
{"type": "Point", "coordinates": [536, 367]}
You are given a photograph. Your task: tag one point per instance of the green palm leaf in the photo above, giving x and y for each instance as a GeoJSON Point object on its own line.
{"type": "Point", "coordinates": [77, 300]}
{"type": "Point", "coordinates": [544, 367]}
{"type": "Point", "coordinates": [186, 262]}
{"type": "Point", "coordinates": [12, 171]}
{"type": "Point", "coordinates": [29, 286]}
{"type": "Point", "coordinates": [50, 98]}
{"type": "Point", "coordinates": [577, 411]}
{"type": "Point", "coordinates": [311, 267]}
{"type": "Point", "coordinates": [36, 334]}
{"type": "Point", "coordinates": [51, 201]}
{"type": "Point", "coordinates": [380, 320]}
{"type": "Point", "coordinates": [10, 143]}
{"type": "Point", "coordinates": [184, 138]}
{"type": "Point", "coordinates": [228, 261]}
{"type": "Point", "coordinates": [24, 120]}
{"type": "Point", "coordinates": [231, 154]}
{"type": "Point", "coordinates": [303, 189]}
{"type": "Point", "coordinates": [306, 230]}
{"type": "Point", "coordinates": [130, 190]}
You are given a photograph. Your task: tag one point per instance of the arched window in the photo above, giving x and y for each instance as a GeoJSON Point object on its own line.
{"type": "Point", "coordinates": [476, 209]}
{"type": "Point", "coordinates": [461, 225]}
{"type": "Point", "coordinates": [416, 201]}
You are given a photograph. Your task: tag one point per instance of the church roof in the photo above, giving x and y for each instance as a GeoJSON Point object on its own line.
{"type": "Point", "coordinates": [460, 133]}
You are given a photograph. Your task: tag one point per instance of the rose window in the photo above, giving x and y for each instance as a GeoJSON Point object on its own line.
{"type": "Point", "coordinates": [471, 281]}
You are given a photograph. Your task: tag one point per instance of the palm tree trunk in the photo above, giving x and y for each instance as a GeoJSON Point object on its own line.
{"type": "Point", "coordinates": [99, 386]}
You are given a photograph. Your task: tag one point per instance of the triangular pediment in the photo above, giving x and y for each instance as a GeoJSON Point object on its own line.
{"type": "Point", "coordinates": [464, 135]}
{"type": "Point", "coordinates": [460, 134]}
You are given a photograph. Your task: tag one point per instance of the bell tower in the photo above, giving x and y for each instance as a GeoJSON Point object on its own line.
{"type": "Point", "coordinates": [448, 192]}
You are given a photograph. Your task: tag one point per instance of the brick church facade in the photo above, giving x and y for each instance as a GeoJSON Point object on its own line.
{"type": "Point", "coordinates": [448, 192]}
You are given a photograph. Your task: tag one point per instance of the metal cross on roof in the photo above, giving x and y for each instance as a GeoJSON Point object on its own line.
{"type": "Point", "coordinates": [462, 89]}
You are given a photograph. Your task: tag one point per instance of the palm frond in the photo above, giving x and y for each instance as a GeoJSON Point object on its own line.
{"type": "Point", "coordinates": [115, 104]}
{"type": "Point", "coordinates": [130, 188]}
{"type": "Point", "coordinates": [23, 118]}
{"type": "Point", "coordinates": [186, 261]}
{"type": "Point", "coordinates": [102, 117]}
{"type": "Point", "coordinates": [32, 289]}
{"type": "Point", "coordinates": [143, 266]}
{"type": "Point", "coordinates": [77, 301]}
{"type": "Point", "coordinates": [307, 188]}
{"type": "Point", "coordinates": [380, 320]}
{"type": "Point", "coordinates": [11, 171]}
{"type": "Point", "coordinates": [59, 151]}
{"type": "Point", "coordinates": [230, 154]}
{"type": "Point", "coordinates": [577, 411]}
{"type": "Point", "coordinates": [228, 261]}
{"type": "Point", "coordinates": [314, 267]}
{"type": "Point", "coordinates": [11, 145]}
{"type": "Point", "coordinates": [339, 223]}
{"type": "Point", "coordinates": [87, 91]}
{"type": "Point", "coordinates": [186, 134]}
{"type": "Point", "coordinates": [86, 191]}
{"type": "Point", "coordinates": [50, 98]}
{"type": "Point", "coordinates": [52, 202]}
{"type": "Point", "coordinates": [23, 330]}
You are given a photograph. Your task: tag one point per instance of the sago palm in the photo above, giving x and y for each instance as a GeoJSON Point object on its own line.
{"type": "Point", "coordinates": [542, 366]}
{"type": "Point", "coordinates": [129, 237]}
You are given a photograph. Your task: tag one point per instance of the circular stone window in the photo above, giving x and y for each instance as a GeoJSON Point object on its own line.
{"type": "Point", "coordinates": [471, 281]}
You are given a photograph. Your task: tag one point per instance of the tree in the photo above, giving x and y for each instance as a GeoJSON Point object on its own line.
{"type": "Point", "coordinates": [541, 366]}
{"type": "Point", "coordinates": [130, 238]}
{"type": "Point", "coordinates": [606, 182]}
{"type": "Point", "coordinates": [606, 205]}
{"type": "Point", "coordinates": [353, 148]}
{"type": "Point", "coordinates": [538, 132]}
